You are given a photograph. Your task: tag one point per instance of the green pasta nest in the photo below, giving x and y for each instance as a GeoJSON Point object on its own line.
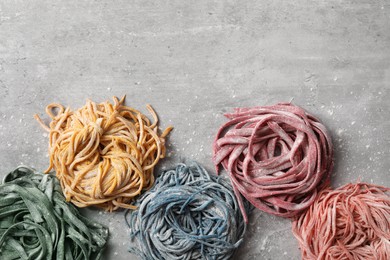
{"type": "Point", "coordinates": [37, 223]}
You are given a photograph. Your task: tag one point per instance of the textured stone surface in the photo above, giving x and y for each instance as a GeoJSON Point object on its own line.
{"type": "Point", "coordinates": [194, 60]}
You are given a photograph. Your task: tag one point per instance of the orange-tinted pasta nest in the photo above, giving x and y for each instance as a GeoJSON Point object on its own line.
{"type": "Point", "coordinates": [350, 222]}
{"type": "Point", "coordinates": [103, 154]}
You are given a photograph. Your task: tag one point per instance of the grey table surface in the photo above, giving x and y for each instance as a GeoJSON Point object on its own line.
{"type": "Point", "coordinates": [193, 61]}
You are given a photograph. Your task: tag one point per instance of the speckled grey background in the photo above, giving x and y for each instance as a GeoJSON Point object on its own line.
{"type": "Point", "coordinates": [194, 60]}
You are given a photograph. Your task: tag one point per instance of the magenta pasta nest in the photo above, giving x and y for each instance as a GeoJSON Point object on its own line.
{"type": "Point", "coordinates": [278, 157]}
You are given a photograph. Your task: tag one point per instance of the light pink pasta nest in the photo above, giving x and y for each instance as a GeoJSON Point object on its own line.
{"type": "Point", "coordinates": [350, 222]}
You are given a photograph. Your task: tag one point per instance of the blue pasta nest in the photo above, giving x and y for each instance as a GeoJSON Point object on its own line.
{"type": "Point", "coordinates": [188, 214]}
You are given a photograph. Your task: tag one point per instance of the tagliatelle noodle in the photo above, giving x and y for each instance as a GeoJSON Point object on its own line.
{"type": "Point", "coordinates": [350, 222]}
{"type": "Point", "coordinates": [277, 157]}
{"type": "Point", "coordinates": [188, 214]}
{"type": "Point", "coordinates": [37, 223]}
{"type": "Point", "coordinates": [104, 154]}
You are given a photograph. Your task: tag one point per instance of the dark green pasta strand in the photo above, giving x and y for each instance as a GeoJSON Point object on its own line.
{"type": "Point", "coordinates": [37, 223]}
{"type": "Point", "coordinates": [188, 214]}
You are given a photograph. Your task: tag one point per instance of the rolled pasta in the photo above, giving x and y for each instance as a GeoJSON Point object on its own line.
{"type": "Point", "coordinates": [278, 157]}
{"type": "Point", "coordinates": [104, 154]}
{"type": "Point", "coordinates": [37, 223]}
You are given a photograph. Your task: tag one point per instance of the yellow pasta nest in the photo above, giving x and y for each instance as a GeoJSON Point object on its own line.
{"type": "Point", "coordinates": [103, 154]}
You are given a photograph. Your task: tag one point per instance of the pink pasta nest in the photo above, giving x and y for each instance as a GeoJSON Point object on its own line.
{"type": "Point", "coordinates": [351, 222]}
{"type": "Point", "coordinates": [278, 157]}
